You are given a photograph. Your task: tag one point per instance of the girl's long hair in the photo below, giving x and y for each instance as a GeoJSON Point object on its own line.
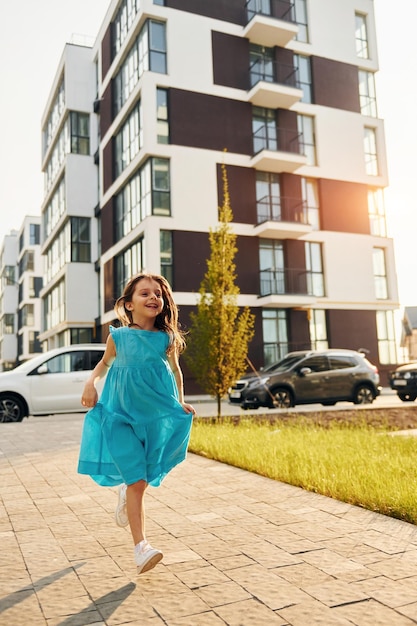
{"type": "Point", "coordinates": [167, 320]}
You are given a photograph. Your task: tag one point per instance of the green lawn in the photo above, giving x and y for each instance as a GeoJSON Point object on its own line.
{"type": "Point", "coordinates": [358, 464]}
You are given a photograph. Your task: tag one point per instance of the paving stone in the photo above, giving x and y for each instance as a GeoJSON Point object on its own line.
{"type": "Point", "coordinates": [372, 613]}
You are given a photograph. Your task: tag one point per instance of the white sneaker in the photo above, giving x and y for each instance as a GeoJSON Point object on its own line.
{"type": "Point", "coordinates": [120, 515]}
{"type": "Point", "coordinates": [146, 557]}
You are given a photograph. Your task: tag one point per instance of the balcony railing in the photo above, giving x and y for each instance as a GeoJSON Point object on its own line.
{"type": "Point", "coordinates": [273, 138]}
{"type": "Point", "coordinates": [279, 9]}
{"type": "Point", "coordinates": [273, 72]}
{"type": "Point", "coordinates": [281, 209]}
{"type": "Point", "coordinates": [290, 281]}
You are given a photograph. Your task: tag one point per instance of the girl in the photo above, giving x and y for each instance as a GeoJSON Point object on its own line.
{"type": "Point", "coordinates": [139, 430]}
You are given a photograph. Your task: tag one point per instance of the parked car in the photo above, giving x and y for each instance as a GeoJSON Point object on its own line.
{"type": "Point", "coordinates": [51, 382]}
{"type": "Point", "coordinates": [305, 377]}
{"type": "Point", "coordinates": [404, 381]}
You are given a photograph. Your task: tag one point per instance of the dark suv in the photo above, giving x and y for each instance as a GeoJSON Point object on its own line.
{"type": "Point", "coordinates": [404, 381]}
{"type": "Point", "coordinates": [327, 376]}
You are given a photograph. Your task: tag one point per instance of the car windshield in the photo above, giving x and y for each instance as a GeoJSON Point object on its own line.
{"type": "Point", "coordinates": [285, 364]}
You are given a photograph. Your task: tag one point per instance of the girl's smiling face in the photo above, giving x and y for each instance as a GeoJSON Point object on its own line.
{"type": "Point", "coordinates": [147, 300]}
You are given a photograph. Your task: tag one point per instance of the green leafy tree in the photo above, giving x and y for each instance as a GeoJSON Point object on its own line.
{"type": "Point", "coordinates": [220, 331]}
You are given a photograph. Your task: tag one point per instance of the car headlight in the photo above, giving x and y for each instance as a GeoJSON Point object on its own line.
{"type": "Point", "coordinates": [407, 375]}
{"type": "Point", "coordinates": [259, 381]}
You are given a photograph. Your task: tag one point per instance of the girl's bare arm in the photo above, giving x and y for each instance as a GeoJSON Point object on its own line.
{"type": "Point", "coordinates": [90, 395]}
{"type": "Point", "coordinates": [176, 370]}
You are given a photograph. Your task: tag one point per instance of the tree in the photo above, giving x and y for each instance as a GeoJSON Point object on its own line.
{"type": "Point", "coordinates": [220, 332]}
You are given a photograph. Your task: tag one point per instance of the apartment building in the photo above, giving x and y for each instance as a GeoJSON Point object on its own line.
{"type": "Point", "coordinates": [137, 128]}
{"type": "Point", "coordinates": [69, 231]}
{"type": "Point", "coordinates": [8, 301]}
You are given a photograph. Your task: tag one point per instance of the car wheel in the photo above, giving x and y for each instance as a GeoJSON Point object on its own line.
{"type": "Point", "coordinates": [407, 397]}
{"type": "Point", "coordinates": [12, 409]}
{"type": "Point", "coordinates": [363, 395]}
{"type": "Point", "coordinates": [283, 399]}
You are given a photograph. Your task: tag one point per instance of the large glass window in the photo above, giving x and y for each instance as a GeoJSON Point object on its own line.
{"type": "Point", "coordinates": [275, 335]}
{"type": "Point", "coordinates": [54, 116]}
{"type": "Point", "coordinates": [380, 274]}
{"type": "Point", "coordinates": [54, 306]}
{"type": "Point", "coordinates": [27, 262]}
{"type": "Point", "coordinates": [387, 345]}
{"type": "Point", "coordinates": [146, 193]}
{"type": "Point", "coordinates": [148, 53]}
{"type": "Point", "coordinates": [264, 128]}
{"type": "Point", "coordinates": [305, 124]}
{"type": "Point", "coordinates": [166, 255]}
{"type": "Point", "coordinates": [80, 240]}
{"type": "Point", "coordinates": [272, 266]}
{"type": "Point", "coordinates": [310, 195]}
{"type": "Point", "coordinates": [261, 66]}
{"type": "Point", "coordinates": [300, 11]}
{"type": "Point", "coordinates": [376, 211]}
{"type": "Point", "coordinates": [162, 118]}
{"type": "Point", "coordinates": [55, 209]}
{"type": "Point", "coordinates": [361, 36]}
{"type": "Point", "coordinates": [8, 275]}
{"type": "Point", "coordinates": [122, 22]}
{"type": "Point", "coordinates": [34, 234]}
{"type": "Point", "coordinates": [27, 315]}
{"type": "Point", "coordinates": [318, 329]}
{"type": "Point", "coordinates": [367, 94]}
{"type": "Point", "coordinates": [302, 63]}
{"type": "Point", "coordinates": [80, 133]}
{"type": "Point", "coordinates": [314, 267]}
{"type": "Point", "coordinates": [268, 197]}
{"type": "Point", "coordinates": [128, 140]}
{"type": "Point", "coordinates": [8, 324]}
{"type": "Point", "coordinates": [128, 263]}
{"type": "Point", "coordinates": [370, 149]}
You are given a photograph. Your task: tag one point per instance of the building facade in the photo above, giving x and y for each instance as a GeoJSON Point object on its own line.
{"type": "Point", "coordinates": [8, 301]}
{"type": "Point", "coordinates": [282, 93]}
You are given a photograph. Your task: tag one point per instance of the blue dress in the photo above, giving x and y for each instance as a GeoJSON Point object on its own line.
{"type": "Point", "coordinates": [138, 429]}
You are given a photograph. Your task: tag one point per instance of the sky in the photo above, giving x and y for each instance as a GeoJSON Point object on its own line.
{"type": "Point", "coordinates": [31, 45]}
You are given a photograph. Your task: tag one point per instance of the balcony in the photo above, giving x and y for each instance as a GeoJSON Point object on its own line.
{"type": "Point", "coordinates": [290, 287]}
{"type": "Point", "coordinates": [270, 23]}
{"type": "Point", "coordinates": [273, 85]}
{"type": "Point", "coordinates": [282, 218]}
{"type": "Point", "coordinates": [277, 149]}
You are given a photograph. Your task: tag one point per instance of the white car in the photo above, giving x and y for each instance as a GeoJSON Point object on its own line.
{"type": "Point", "coordinates": [51, 382]}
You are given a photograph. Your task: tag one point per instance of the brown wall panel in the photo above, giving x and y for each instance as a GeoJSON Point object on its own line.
{"type": "Point", "coordinates": [361, 327]}
{"type": "Point", "coordinates": [202, 121]}
{"type": "Point", "coordinates": [242, 192]}
{"type": "Point", "coordinates": [106, 111]}
{"type": "Point", "coordinates": [344, 206]}
{"type": "Point", "coordinates": [287, 130]}
{"type": "Point", "coordinates": [230, 60]}
{"type": "Point", "coordinates": [190, 252]}
{"type": "Point", "coordinates": [247, 264]}
{"type": "Point", "coordinates": [109, 296]}
{"type": "Point", "coordinates": [226, 10]}
{"type": "Point", "coordinates": [298, 330]}
{"type": "Point", "coordinates": [335, 84]}
{"type": "Point", "coordinates": [107, 226]}
{"type": "Point", "coordinates": [107, 165]}
{"type": "Point", "coordinates": [106, 52]}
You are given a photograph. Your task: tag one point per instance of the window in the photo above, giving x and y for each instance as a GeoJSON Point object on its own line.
{"type": "Point", "coordinates": [310, 196]}
{"type": "Point", "coordinates": [370, 149]}
{"type": "Point", "coordinates": [385, 328]}
{"type": "Point", "coordinates": [275, 335]}
{"type": "Point", "coordinates": [55, 209]}
{"type": "Point", "coordinates": [8, 276]}
{"type": "Point", "coordinates": [33, 342]}
{"type": "Point", "coordinates": [255, 7]}
{"type": "Point", "coordinates": [162, 118]}
{"type": "Point", "coordinates": [80, 133]}
{"type": "Point", "coordinates": [261, 66]}
{"type": "Point", "coordinates": [160, 2]}
{"type": "Point", "coordinates": [34, 234]}
{"type": "Point", "coordinates": [380, 274]}
{"type": "Point", "coordinates": [128, 263]}
{"type": "Point", "coordinates": [264, 129]}
{"type": "Point", "coordinates": [146, 193]}
{"type": "Point", "coordinates": [376, 211]}
{"type": "Point", "coordinates": [367, 94]}
{"type": "Point", "coordinates": [300, 11]}
{"type": "Point", "coordinates": [314, 267]}
{"type": "Point", "coordinates": [268, 197]}
{"type": "Point", "coordinates": [122, 23]}
{"type": "Point", "coordinates": [8, 324]}
{"type": "Point", "coordinates": [271, 261]}
{"type": "Point", "coordinates": [128, 140]}
{"type": "Point", "coordinates": [148, 53]}
{"type": "Point", "coordinates": [318, 329]}
{"type": "Point", "coordinates": [54, 306]}
{"type": "Point", "coordinates": [81, 335]}
{"type": "Point", "coordinates": [27, 313]}
{"type": "Point", "coordinates": [54, 116]}
{"type": "Point", "coordinates": [361, 36]}
{"type": "Point", "coordinates": [27, 262]}
{"type": "Point", "coordinates": [80, 240]}
{"type": "Point", "coordinates": [342, 362]}
{"type": "Point", "coordinates": [302, 63]}
{"type": "Point", "coordinates": [305, 124]}
{"type": "Point", "coordinates": [317, 364]}
{"type": "Point", "coordinates": [166, 255]}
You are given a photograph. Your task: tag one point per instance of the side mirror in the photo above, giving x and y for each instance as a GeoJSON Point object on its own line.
{"type": "Point", "coordinates": [304, 371]}
{"type": "Point", "coordinates": [42, 369]}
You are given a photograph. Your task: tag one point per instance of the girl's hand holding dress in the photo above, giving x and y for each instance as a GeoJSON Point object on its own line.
{"type": "Point", "coordinates": [188, 408]}
{"type": "Point", "coordinates": [90, 396]}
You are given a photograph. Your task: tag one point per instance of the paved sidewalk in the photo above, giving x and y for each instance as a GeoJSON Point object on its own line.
{"type": "Point", "coordinates": [240, 549]}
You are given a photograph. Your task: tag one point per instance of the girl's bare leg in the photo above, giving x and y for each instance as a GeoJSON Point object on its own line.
{"type": "Point", "coordinates": [135, 507]}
